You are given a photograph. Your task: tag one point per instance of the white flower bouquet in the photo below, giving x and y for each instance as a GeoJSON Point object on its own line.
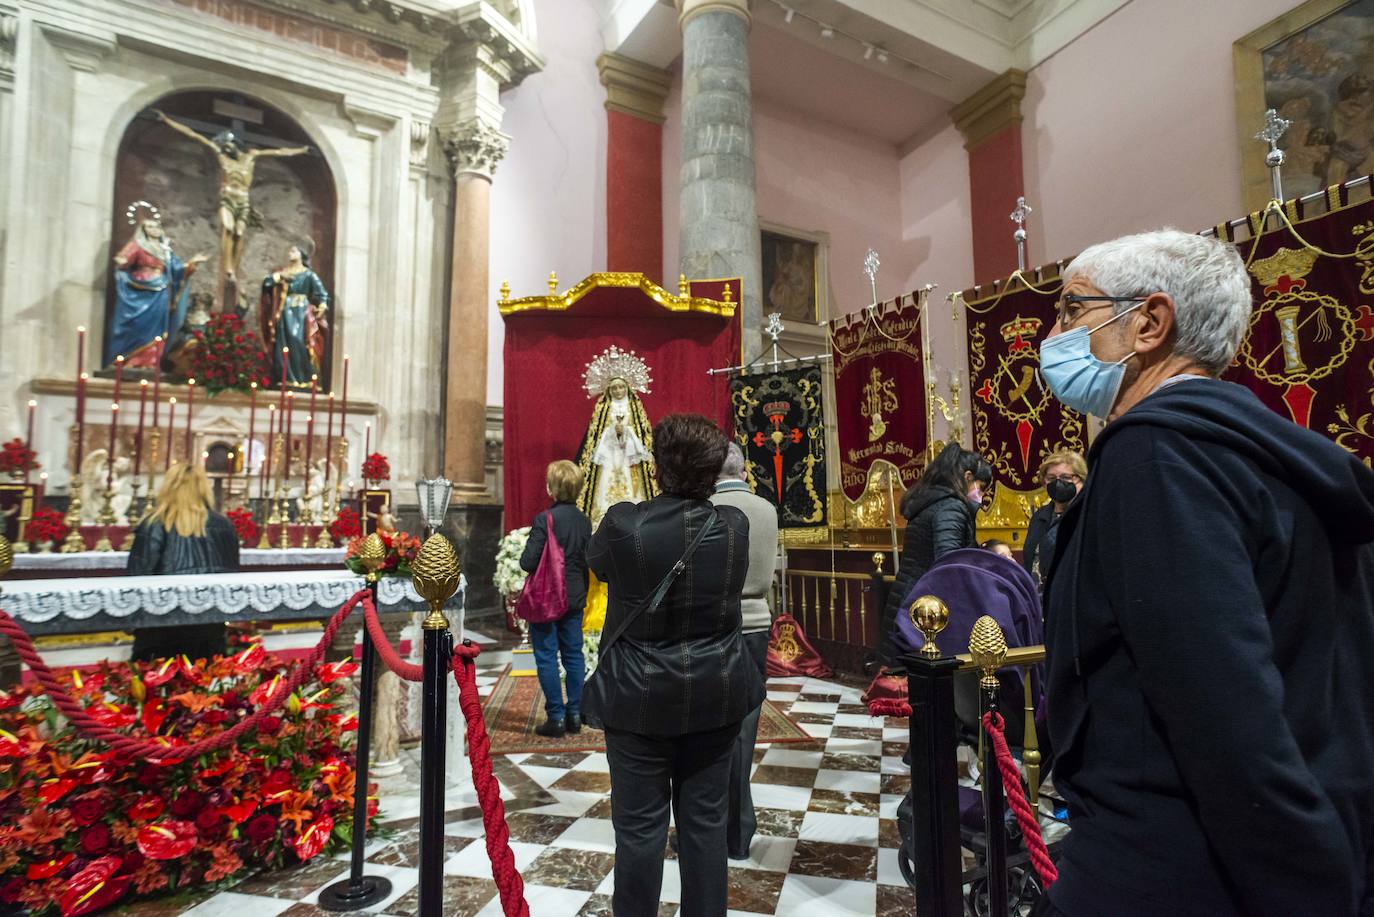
{"type": "Point", "coordinates": [509, 578]}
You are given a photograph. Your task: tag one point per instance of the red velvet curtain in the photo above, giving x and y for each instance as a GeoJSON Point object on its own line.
{"type": "Point", "coordinates": [547, 409]}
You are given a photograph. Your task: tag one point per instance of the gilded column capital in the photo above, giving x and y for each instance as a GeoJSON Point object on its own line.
{"type": "Point", "coordinates": [474, 146]}
{"type": "Point", "coordinates": [991, 109]}
{"type": "Point", "coordinates": [687, 9]}
{"type": "Point", "coordinates": [634, 88]}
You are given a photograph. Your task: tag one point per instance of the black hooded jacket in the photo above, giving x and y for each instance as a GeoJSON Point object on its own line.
{"type": "Point", "coordinates": [1210, 624]}
{"type": "Point", "coordinates": [939, 520]}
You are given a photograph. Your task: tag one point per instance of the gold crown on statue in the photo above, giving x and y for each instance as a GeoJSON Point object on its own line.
{"type": "Point", "coordinates": [1020, 327]}
{"type": "Point", "coordinates": [614, 363]}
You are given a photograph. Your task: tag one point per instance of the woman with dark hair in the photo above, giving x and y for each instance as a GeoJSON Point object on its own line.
{"type": "Point", "coordinates": [940, 510]}
{"type": "Point", "coordinates": [293, 308]}
{"type": "Point", "coordinates": [674, 679]}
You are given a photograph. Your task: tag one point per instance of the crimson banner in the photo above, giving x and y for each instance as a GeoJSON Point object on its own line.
{"type": "Point", "coordinates": [780, 425]}
{"type": "Point", "coordinates": [880, 387]}
{"type": "Point", "coordinates": [1016, 421]}
{"type": "Point", "coordinates": [1308, 354]}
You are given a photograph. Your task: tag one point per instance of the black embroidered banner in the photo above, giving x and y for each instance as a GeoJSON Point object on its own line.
{"type": "Point", "coordinates": [780, 425]}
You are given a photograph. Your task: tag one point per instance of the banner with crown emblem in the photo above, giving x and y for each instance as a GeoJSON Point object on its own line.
{"type": "Point", "coordinates": [1309, 352]}
{"type": "Point", "coordinates": [780, 425]}
{"type": "Point", "coordinates": [1016, 421]}
{"type": "Point", "coordinates": [880, 392]}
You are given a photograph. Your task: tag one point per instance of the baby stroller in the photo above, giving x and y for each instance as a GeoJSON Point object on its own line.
{"type": "Point", "coordinates": [972, 583]}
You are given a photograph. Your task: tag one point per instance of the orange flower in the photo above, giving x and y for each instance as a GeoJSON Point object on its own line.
{"type": "Point", "coordinates": [41, 826]}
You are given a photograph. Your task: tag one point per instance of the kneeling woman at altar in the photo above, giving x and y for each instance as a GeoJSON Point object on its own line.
{"type": "Point", "coordinates": [292, 313]}
{"type": "Point", "coordinates": [151, 284]}
{"type": "Point", "coordinates": [183, 535]}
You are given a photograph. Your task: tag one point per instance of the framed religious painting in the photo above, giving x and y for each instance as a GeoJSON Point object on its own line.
{"type": "Point", "coordinates": [1314, 65]}
{"type": "Point", "coordinates": [792, 274]}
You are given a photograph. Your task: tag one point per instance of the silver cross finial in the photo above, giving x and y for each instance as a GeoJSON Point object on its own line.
{"type": "Point", "coordinates": [871, 269]}
{"type": "Point", "coordinates": [1018, 216]}
{"type": "Point", "coordinates": [774, 328]}
{"type": "Point", "coordinates": [1023, 210]}
{"type": "Point", "coordinates": [1274, 129]}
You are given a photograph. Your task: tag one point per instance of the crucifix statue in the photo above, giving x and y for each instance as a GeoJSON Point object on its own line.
{"type": "Point", "coordinates": [1018, 216]}
{"type": "Point", "coordinates": [235, 181]}
{"type": "Point", "coordinates": [871, 269]}
{"type": "Point", "coordinates": [1274, 129]}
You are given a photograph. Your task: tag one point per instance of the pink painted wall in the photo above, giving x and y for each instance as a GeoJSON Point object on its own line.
{"type": "Point", "coordinates": [548, 198]}
{"type": "Point", "coordinates": [1133, 125]}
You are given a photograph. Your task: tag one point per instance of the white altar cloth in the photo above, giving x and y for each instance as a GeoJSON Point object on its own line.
{"type": "Point", "coordinates": [118, 560]}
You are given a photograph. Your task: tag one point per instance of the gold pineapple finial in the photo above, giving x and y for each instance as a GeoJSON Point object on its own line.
{"type": "Point", "coordinates": [930, 615]}
{"type": "Point", "coordinates": [6, 555]}
{"type": "Point", "coordinates": [505, 292]}
{"type": "Point", "coordinates": [878, 558]}
{"type": "Point", "coordinates": [372, 555]}
{"type": "Point", "coordinates": [553, 283]}
{"type": "Point", "coordinates": [435, 574]}
{"type": "Point", "coordinates": [988, 647]}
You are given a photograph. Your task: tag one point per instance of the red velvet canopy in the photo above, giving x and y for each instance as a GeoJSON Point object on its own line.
{"type": "Point", "coordinates": [550, 339]}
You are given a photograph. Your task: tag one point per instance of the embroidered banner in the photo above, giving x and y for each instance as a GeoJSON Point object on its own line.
{"type": "Point", "coordinates": [1016, 421]}
{"type": "Point", "coordinates": [1308, 354]}
{"type": "Point", "coordinates": [780, 425]}
{"type": "Point", "coordinates": [880, 387]}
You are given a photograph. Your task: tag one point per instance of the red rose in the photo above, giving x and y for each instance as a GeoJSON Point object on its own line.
{"type": "Point", "coordinates": [269, 725]}
{"type": "Point", "coordinates": [88, 809]}
{"type": "Point", "coordinates": [187, 803]}
{"type": "Point", "coordinates": [261, 828]}
{"type": "Point", "coordinates": [238, 339]}
{"type": "Point", "coordinates": [208, 822]}
{"type": "Point", "coordinates": [95, 839]}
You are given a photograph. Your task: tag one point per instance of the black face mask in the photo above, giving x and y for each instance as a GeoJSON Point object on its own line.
{"type": "Point", "coordinates": [1061, 491]}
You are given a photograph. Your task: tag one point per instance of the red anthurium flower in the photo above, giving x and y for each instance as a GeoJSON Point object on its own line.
{"type": "Point", "coordinates": [312, 839]}
{"type": "Point", "coordinates": [331, 672]}
{"type": "Point", "coordinates": [111, 716]}
{"type": "Point", "coordinates": [333, 767]}
{"type": "Point", "coordinates": [48, 869]}
{"type": "Point", "coordinates": [250, 660]}
{"type": "Point", "coordinates": [153, 715]}
{"type": "Point", "coordinates": [54, 789]}
{"type": "Point", "coordinates": [162, 674]}
{"type": "Point", "coordinates": [91, 769]}
{"type": "Point", "coordinates": [167, 742]}
{"type": "Point", "coordinates": [94, 888]}
{"type": "Point", "coordinates": [167, 841]}
{"type": "Point", "coordinates": [9, 699]}
{"type": "Point", "coordinates": [240, 812]}
{"type": "Point", "coordinates": [11, 746]}
{"type": "Point", "coordinates": [345, 722]}
{"type": "Point", "coordinates": [265, 691]}
{"type": "Point", "coordinates": [146, 808]}
{"type": "Point", "coordinates": [316, 701]}
{"type": "Point", "coordinates": [218, 770]}
{"type": "Point", "coordinates": [191, 671]}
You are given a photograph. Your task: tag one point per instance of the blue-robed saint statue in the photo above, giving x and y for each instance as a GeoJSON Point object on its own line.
{"type": "Point", "coordinates": [151, 286]}
{"type": "Point", "coordinates": [293, 315]}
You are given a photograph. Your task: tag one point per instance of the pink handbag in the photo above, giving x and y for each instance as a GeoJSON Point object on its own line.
{"type": "Point", "coordinates": [545, 596]}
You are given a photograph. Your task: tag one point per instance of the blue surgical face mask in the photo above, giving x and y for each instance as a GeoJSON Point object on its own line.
{"type": "Point", "coordinates": [1078, 378]}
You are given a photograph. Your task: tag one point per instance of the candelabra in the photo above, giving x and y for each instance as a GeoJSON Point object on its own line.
{"type": "Point", "coordinates": [106, 519]}
{"type": "Point", "coordinates": [268, 516]}
{"type": "Point", "coordinates": [74, 543]}
{"type": "Point", "coordinates": [284, 512]}
{"type": "Point", "coordinates": [331, 513]}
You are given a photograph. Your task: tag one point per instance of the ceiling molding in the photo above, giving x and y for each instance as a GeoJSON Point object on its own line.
{"type": "Point", "coordinates": [991, 109]}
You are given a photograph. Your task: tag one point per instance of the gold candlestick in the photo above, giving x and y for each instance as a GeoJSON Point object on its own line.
{"type": "Point", "coordinates": [326, 540]}
{"type": "Point", "coordinates": [284, 534]}
{"type": "Point", "coordinates": [22, 545]}
{"type": "Point", "coordinates": [106, 519]}
{"type": "Point", "coordinates": [74, 543]}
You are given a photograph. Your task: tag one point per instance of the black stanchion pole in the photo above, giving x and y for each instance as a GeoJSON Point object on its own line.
{"type": "Point", "coordinates": [438, 651]}
{"type": "Point", "coordinates": [934, 786]}
{"type": "Point", "coordinates": [359, 891]}
{"type": "Point", "coordinates": [994, 813]}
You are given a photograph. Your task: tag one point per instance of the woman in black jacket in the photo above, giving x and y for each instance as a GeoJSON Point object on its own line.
{"type": "Point", "coordinates": [672, 691]}
{"type": "Point", "coordinates": [940, 510]}
{"type": "Point", "coordinates": [1063, 473]}
{"type": "Point", "coordinates": [183, 535]}
{"type": "Point", "coordinates": [562, 638]}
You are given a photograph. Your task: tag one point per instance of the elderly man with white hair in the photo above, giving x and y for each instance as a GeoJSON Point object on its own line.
{"type": "Point", "coordinates": [1209, 613]}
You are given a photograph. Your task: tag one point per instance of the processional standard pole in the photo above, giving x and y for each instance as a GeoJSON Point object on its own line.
{"type": "Point", "coordinates": [1018, 216]}
{"type": "Point", "coordinates": [435, 574]}
{"type": "Point", "coordinates": [359, 891]}
{"type": "Point", "coordinates": [988, 647]}
{"type": "Point", "coordinates": [1273, 131]}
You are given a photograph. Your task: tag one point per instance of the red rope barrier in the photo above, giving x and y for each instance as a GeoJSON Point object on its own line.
{"type": "Point", "coordinates": [1011, 783]}
{"type": "Point", "coordinates": [503, 870]}
{"type": "Point", "coordinates": [73, 710]}
{"type": "Point", "coordinates": [407, 671]}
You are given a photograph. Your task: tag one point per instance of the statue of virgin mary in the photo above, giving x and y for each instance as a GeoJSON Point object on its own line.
{"type": "Point", "coordinates": [151, 284]}
{"type": "Point", "coordinates": [616, 453]}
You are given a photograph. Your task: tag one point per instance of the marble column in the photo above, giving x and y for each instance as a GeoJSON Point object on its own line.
{"type": "Point", "coordinates": [990, 121]}
{"type": "Point", "coordinates": [719, 225]}
{"type": "Point", "coordinates": [474, 148]}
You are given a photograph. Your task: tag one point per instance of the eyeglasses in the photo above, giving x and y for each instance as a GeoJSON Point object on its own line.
{"type": "Point", "coordinates": [1070, 307]}
{"type": "Point", "coordinates": [1066, 478]}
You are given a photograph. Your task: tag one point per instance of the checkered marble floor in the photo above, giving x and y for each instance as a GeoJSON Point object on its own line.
{"type": "Point", "coordinates": [826, 843]}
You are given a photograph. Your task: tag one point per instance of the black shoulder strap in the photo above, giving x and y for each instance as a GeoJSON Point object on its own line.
{"type": "Point", "coordinates": [664, 585]}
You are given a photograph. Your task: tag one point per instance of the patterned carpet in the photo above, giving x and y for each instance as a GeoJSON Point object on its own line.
{"type": "Point", "coordinates": [516, 707]}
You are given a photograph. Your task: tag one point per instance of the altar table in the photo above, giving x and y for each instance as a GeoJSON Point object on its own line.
{"type": "Point", "coordinates": [113, 563]}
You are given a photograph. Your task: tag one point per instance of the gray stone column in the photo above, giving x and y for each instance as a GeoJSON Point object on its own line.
{"type": "Point", "coordinates": [719, 226]}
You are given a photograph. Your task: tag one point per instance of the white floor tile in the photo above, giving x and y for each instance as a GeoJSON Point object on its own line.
{"type": "Point", "coordinates": [854, 746]}
{"type": "Point", "coordinates": [473, 861]}
{"type": "Point", "coordinates": [782, 756]}
{"type": "Point", "coordinates": [840, 829]}
{"type": "Point", "coordinates": [849, 781]}
{"type": "Point", "coordinates": [893, 765]}
{"type": "Point", "coordinates": [889, 873]}
{"type": "Point", "coordinates": [857, 719]}
{"type": "Point", "coordinates": [232, 904]}
{"type": "Point", "coordinates": [769, 854]}
{"type": "Point", "coordinates": [544, 901]}
{"type": "Point", "coordinates": [596, 762]}
{"type": "Point", "coordinates": [817, 730]}
{"type": "Point", "coordinates": [775, 796]}
{"type": "Point", "coordinates": [896, 734]}
{"type": "Point", "coordinates": [804, 896]}
{"type": "Point", "coordinates": [544, 776]}
{"type": "Point", "coordinates": [782, 695]}
{"type": "Point", "coordinates": [887, 805]}
{"type": "Point", "coordinates": [813, 706]}
{"type": "Point", "coordinates": [589, 834]}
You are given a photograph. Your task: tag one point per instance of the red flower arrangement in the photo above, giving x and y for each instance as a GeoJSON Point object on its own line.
{"type": "Point", "coordinates": [83, 827]}
{"type": "Point", "coordinates": [46, 525]}
{"type": "Point", "coordinates": [244, 525]}
{"type": "Point", "coordinates": [16, 458]}
{"type": "Point", "coordinates": [376, 468]}
{"type": "Point", "coordinates": [346, 526]}
{"type": "Point", "coordinates": [228, 356]}
{"type": "Point", "coordinates": [401, 549]}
